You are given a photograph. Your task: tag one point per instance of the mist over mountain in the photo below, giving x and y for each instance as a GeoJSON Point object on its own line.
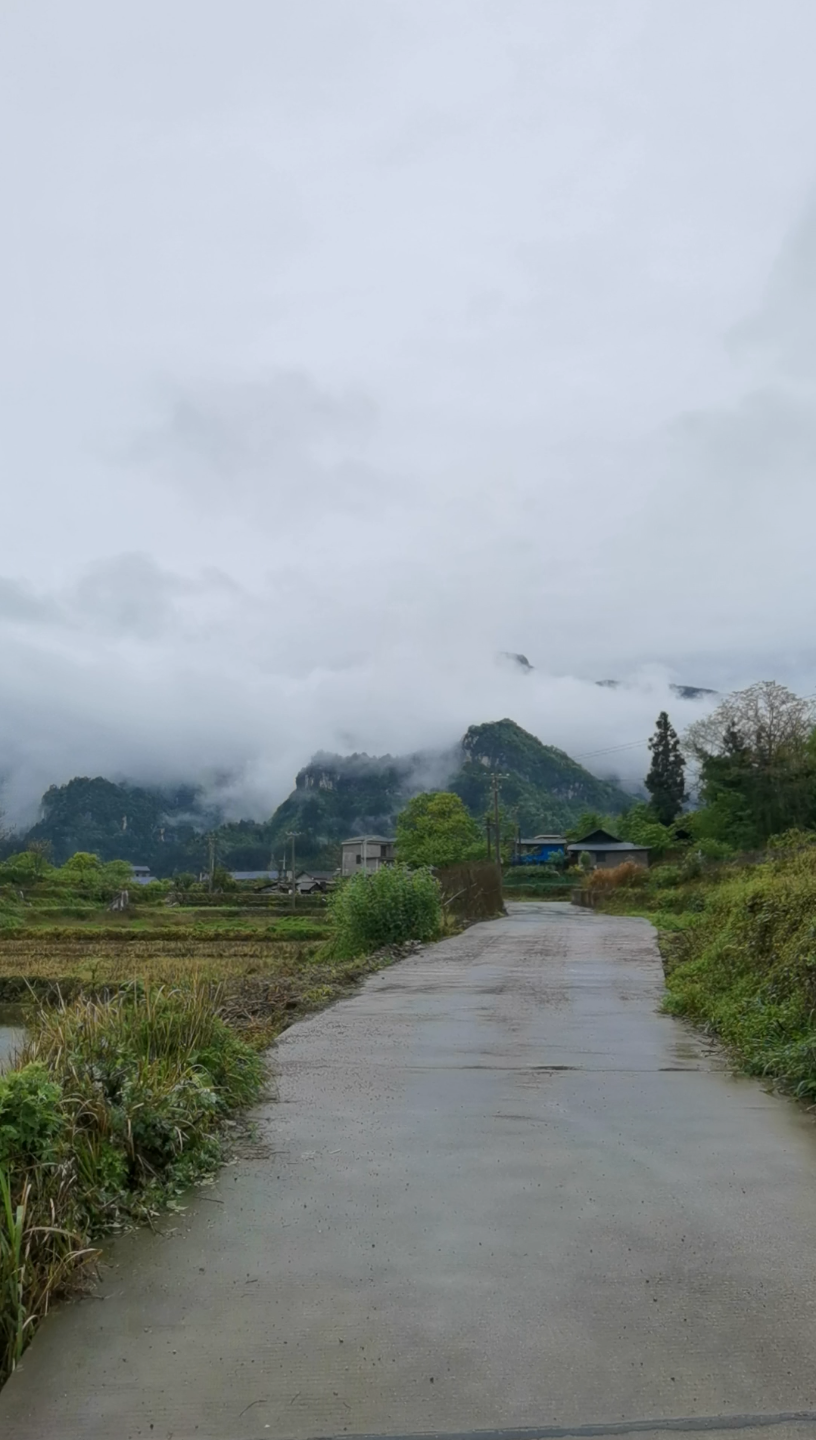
{"type": "Point", "coordinates": [542, 788]}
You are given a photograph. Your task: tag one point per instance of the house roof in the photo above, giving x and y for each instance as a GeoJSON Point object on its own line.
{"type": "Point", "coordinates": [599, 837]}
{"type": "Point", "coordinates": [606, 845]}
{"type": "Point", "coordinates": [358, 839]}
{"type": "Point", "coordinates": [543, 840]}
{"type": "Point", "coordinates": [254, 874]}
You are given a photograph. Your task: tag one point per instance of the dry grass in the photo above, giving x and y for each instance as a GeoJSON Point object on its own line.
{"type": "Point", "coordinates": [100, 961]}
{"type": "Point", "coordinates": [626, 876]}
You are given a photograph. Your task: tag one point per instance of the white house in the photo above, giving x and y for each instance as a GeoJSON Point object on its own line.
{"type": "Point", "coordinates": [366, 853]}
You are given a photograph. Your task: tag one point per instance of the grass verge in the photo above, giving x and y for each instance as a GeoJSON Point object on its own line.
{"type": "Point", "coordinates": [739, 953]}
{"type": "Point", "coordinates": [112, 1108]}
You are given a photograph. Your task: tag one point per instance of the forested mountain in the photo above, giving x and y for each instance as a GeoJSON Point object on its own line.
{"type": "Point", "coordinates": [334, 796]}
{"type": "Point", "coordinates": [542, 787]}
{"type": "Point", "coordinates": [125, 822]}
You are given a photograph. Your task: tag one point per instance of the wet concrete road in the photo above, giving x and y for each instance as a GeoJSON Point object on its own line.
{"type": "Point", "coordinates": [500, 1191]}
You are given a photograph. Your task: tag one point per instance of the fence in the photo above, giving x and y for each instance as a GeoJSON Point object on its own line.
{"type": "Point", "coordinates": [472, 892]}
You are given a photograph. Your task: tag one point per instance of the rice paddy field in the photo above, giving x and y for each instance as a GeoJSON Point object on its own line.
{"type": "Point", "coordinates": [264, 964]}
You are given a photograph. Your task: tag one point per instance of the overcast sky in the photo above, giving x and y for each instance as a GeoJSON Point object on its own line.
{"type": "Point", "coordinates": [347, 343]}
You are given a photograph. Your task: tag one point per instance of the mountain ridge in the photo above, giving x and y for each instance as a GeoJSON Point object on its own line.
{"type": "Point", "coordinates": [542, 788]}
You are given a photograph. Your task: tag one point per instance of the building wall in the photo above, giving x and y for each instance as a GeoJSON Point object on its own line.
{"type": "Point", "coordinates": [377, 854]}
{"type": "Point", "coordinates": [609, 859]}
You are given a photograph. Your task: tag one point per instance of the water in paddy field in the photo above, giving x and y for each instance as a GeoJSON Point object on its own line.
{"type": "Point", "coordinates": [12, 1032]}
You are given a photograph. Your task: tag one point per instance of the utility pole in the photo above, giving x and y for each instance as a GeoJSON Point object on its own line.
{"type": "Point", "coordinates": [292, 835]}
{"type": "Point", "coordinates": [211, 850]}
{"type": "Point", "coordinates": [494, 781]}
{"type": "Point", "coordinates": [487, 831]}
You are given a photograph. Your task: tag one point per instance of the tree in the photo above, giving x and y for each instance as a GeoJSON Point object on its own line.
{"type": "Point", "coordinates": [767, 720]}
{"type": "Point", "coordinates": [436, 829]}
{"type": "Point", "coordinates": [641, 826]}
{"type": "Point", "coordinates": [757, 764]}
{"type": "Point", "coordinates": [666, 780]}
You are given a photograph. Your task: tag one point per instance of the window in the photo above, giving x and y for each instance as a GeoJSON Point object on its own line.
{"type": "Point", "coordinates": [359, 859]}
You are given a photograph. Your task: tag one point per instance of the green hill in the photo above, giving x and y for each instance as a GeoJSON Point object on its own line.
{"type": "Point", "coordinates": [542, 787]}
{"type": "Point", "coordinates": [162, 828]}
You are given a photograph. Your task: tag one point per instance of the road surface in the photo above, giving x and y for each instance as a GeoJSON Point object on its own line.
{"type": "Point", "coordinates": [498, 1190]}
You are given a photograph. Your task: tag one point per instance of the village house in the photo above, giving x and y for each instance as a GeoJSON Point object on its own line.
{"type": "Point", "coordinates": [366, 853]}
{"type": "Point", "coordinates": [539, 848]}
{"type": "Point", "coordinates": [606, 851]}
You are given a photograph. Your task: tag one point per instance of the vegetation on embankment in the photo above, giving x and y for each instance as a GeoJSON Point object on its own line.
{"type": "Point", "coordinates": [739, 948]}
{"type": "Point", "coordinates": [112, 1108]}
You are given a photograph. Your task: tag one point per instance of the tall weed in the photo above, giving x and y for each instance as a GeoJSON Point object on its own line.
{"type": "Point", "coordinates": [112, 1107]}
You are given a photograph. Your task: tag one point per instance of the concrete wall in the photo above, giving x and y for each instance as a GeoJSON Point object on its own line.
{"type": "Point", "coordinates": [610, 859]}
{"type": "Point", "coordinates": [377, 854]}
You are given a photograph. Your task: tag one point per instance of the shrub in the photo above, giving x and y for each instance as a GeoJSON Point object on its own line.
{"type": "Point", "coordinates": [31, 1120]}
{"type": "Point", "coordinates": [391, 906]}
{"type": "Point", "coordinates": [665, 877]}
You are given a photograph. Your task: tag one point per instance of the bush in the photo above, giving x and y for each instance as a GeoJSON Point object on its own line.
{"type": "Point", "coordinates": [665, 877]}
{"type": "Point", "coordinates": [392, 905]}
{"type": "Point", "coordinates": [112, 1107]}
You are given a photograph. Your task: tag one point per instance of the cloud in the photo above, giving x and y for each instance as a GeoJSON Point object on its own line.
{"type": "Point", "coordinates": [351, 346]}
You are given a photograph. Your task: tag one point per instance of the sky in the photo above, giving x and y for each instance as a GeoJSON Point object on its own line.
{"type": "Point", "coordinates": [347, 345]}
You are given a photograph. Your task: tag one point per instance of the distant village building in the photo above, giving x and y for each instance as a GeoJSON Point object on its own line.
{"type": "Point", "coordinates": [606, 851]}
{"type": "Point", "coordinates": [315, 882]}
{"type": "Point", "coordinates": [241, 875]}
{"type": "Point", "coordinates": [141, 874]}
{"type": "Point", "coordinates": [539, 848]}
{"type": "Point", "coordinates": [367, 853]}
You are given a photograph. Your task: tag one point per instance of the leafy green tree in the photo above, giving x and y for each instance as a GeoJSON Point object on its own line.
{"type": "Point", "coordinates": [436, 829]}
{"type": "Point", "coordinates": [26, 868]}
{"type": "Point", "coordinates": [590, 820]}
{"type": "Point", "coordinates": [641, 827]}
{"type": "Point", "coordinates": [666, 780]}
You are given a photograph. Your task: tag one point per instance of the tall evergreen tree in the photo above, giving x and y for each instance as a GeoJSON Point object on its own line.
{"type": "Point", "coordinates": [666, 780]}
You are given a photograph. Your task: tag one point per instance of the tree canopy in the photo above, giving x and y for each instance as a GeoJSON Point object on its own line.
{"type": "Point", "coordinates": [757, 762]}
{"type": "Point", "coordinates": [436, 829]}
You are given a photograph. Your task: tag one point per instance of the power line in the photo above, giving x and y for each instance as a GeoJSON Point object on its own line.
{"type": "Point", "coordinates": [635, 744]}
